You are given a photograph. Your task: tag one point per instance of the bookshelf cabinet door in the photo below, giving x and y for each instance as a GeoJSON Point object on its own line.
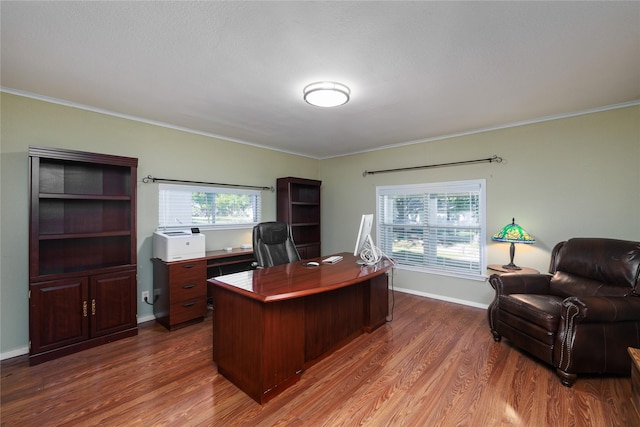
{"type": "Point", "coordinates": [113, 302]}
{"type": "Point", "coordinates": [59, 313]}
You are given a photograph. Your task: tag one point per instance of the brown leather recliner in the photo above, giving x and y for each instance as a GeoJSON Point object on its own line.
{"type": "Point", "coordinates": [582, 316]}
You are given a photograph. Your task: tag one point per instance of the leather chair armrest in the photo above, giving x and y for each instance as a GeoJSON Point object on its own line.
{"type": "Point", "coordinates": [601, 309]}
{"type": "Point", "coordinates": [513, 283]}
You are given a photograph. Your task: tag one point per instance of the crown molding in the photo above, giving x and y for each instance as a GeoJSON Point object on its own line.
{"type": "Point", "coordinates": [385, 147]}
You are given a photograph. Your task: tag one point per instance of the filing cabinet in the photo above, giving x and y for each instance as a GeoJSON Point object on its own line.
{"type": "Point", "coordinates": [180, 292]}
{"type": "Point", "coordinates": [180, 288]}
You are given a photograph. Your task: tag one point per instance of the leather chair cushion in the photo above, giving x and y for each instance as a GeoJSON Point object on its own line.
{"type": "Point", "coordinates": [566, 284]}
{"type": "Point", "coordinates": [611, 262]}
{"type": "Point", "coordinates": [541, 310]}
{"type": "Point", "coordinates": [274, 233]}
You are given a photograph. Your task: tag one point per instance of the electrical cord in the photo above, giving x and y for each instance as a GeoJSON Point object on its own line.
{"type": "Point", "coordinates": [155, 298]}
{"type": "Point", "coordinates": [371, 255]}
{"type": "Point", "coordinates": [389, 318]}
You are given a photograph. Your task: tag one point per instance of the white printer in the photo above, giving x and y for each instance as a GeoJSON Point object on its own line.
{"type": "Point", "coordinates": [176, 245]}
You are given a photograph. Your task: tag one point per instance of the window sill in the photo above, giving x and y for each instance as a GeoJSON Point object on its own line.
{"type": "Point", "coordinates": [468, 276]}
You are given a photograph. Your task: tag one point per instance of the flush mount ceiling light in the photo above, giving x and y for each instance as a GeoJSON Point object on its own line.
{"type": "Point", "coordinates": [326, 94]}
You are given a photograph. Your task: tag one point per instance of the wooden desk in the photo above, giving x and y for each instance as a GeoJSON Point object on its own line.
{"type": "Point", "coordinates": [270, 324]}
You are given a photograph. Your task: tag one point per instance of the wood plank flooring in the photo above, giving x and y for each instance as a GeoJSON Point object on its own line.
{"type": "Point", "coordinates": [435, 364]}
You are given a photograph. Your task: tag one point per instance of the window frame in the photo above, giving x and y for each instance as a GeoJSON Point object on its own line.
{"type": "Point", "coordinates": [437, 188]}
{"type": "Point", "coordinates": [211, 190]}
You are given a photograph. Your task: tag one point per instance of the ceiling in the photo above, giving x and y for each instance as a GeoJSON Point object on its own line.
{"type": "Point", "coordinates": [417, 70]}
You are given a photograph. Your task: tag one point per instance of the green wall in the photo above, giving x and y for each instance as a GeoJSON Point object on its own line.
{"type": "Point", "coordinates": [572, 177]}
{"type": "Point", "coordinates": [577, 176]}
{"type": "Point", "coordinates": [161, 151]}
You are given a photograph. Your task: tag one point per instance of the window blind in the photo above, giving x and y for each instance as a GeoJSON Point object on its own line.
{"type": "Point", "coordinates": [434, 227]}
{"type": "Point", "coordinates": [186, 206]}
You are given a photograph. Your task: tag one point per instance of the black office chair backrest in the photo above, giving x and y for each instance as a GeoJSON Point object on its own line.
{"type": "Point", "coordinates": [273, 244]}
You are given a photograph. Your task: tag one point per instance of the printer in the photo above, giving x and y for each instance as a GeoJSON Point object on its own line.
{"type": "Point", "coordinates": [177, 245]}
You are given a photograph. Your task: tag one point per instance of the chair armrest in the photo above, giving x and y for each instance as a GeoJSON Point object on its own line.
{"type": "Point", "coordinates": [601, 309]}
{"type": "Point", "coordinates": [513, 283]}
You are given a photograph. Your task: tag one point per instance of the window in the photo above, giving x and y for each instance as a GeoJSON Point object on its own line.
{"type": "Point", "coordinates": [186, 206]}
{"type": "Point", "coordinates": [437, 227]}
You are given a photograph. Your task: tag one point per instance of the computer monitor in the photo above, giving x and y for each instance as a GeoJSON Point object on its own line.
{"type": "Point", "coordinates": [365, 242]}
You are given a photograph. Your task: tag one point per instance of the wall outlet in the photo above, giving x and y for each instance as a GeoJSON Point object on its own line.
{"type": "Point", "coordinates": [145, 296]}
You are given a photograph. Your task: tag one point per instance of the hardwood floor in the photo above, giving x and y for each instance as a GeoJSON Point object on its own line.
{"type": "Point", "coordinates": [435, 364]}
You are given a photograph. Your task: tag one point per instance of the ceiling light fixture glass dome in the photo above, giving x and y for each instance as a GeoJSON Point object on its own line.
{"type": "Point", "coordinates": [326, 94]}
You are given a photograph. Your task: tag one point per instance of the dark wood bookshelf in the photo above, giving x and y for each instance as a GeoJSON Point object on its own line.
{"type": "Point", "coordinates": [298, 204]}
{"type": "Point", "coordinates": [82, 250]}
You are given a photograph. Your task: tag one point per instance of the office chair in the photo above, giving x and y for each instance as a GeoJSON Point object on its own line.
{"type": "Point", "coordinates": [273, 244]}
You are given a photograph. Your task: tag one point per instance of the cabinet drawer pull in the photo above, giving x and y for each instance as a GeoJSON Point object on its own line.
{"type": "Point", "coordinates": [188, 266]}
{"type": "Point", "coordinates": [189, 304]}
{"type": "Point", "coordinates": [190, 285]}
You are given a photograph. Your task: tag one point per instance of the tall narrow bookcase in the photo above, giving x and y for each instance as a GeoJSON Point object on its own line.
{"type": "Point", "coordinates": [82, 251]}
{"type": "Point", "coordinates": [298, 204]}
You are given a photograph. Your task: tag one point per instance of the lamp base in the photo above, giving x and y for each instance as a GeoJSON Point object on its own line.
{"type": "Point", "coordinates": [511, 265]}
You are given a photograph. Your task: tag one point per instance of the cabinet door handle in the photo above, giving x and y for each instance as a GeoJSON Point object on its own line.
{"type": "Point", "coordinates": [189, 286]}
{"type": "Point", "coordinates": [188, 266]}
{"type": "Point", "coordinates": [84, 308]}
{"type": "Point", "coordinates": [93, 307]}
{"type": "Point", "coordinates": [189, 304]}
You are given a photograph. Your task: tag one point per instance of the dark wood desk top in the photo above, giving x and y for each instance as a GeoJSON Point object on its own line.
{"type": "Point", "coordinates": [295, 280]}
{"type": "Point", "coordinates": [221, 253]}
{"type": "Point", "coordinates": [213, 255]}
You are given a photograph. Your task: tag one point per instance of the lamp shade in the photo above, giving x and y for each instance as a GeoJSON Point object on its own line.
{"type": "Point", "coordinates": [512, 233]}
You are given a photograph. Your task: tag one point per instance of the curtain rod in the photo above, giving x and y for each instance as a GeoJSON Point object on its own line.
{"type": "Point", "coordinates": [150, 178]}
{"type": "Point", "coordinates": [491, 159]}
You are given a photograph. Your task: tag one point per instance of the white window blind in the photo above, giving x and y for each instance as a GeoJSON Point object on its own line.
{"type": "Point", "coordinates": [435, 227]}
{"type": "Point", "coordinates": [185, 206]}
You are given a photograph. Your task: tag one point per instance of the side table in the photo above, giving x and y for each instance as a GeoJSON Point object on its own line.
{"type": "Point", "coordinates": [498, 269]}
{"type": "Point", "coordinates": [635, 377]}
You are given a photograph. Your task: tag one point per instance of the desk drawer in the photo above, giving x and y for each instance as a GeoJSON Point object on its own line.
{"type": "Point", "coordinates": [188, 271]}
{"type": "Point", "coordinates": [188, 310]}
{"type": "Point", "coordinates": [188, 290]}
{"type": "Point", "coordinates": [187, 280]}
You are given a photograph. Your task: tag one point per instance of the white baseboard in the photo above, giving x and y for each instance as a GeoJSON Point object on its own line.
{"type": "Point", "coordinates": [443, 298]}
{"type": "Point", "coordinates": [14, 353]}
{"type": "Point", "coordinates": [146, 318]}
